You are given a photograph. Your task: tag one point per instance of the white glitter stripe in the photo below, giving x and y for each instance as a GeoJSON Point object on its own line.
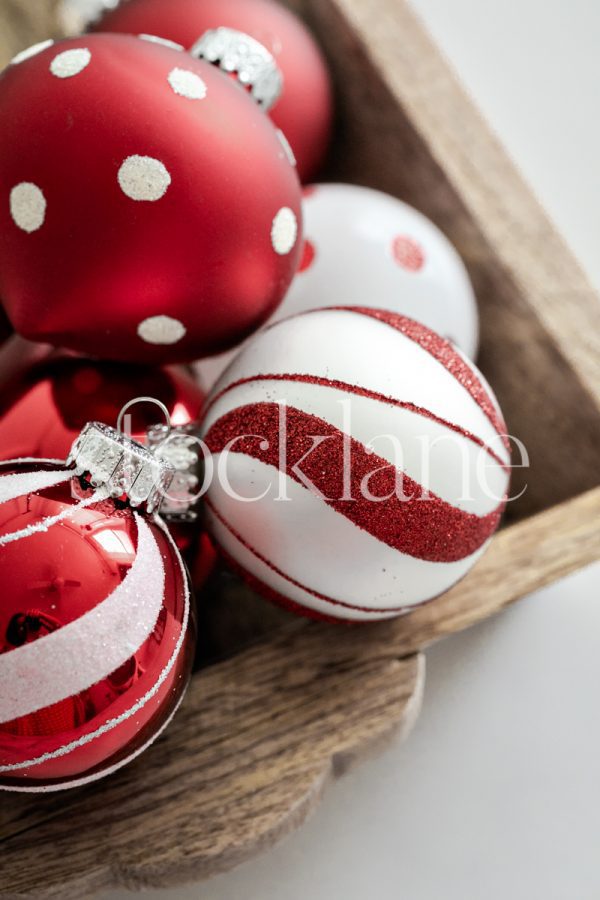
{"type": "Point", "coordinates": [20, 483]}
{"type": "Point", "coordinates": [111, 633]}
{"type": "Point", "coordinates": [46, 524]}
{"type": "Point", "coordinates": [104, 773]}
{"type": "Point", "coordinates": [113, 723]}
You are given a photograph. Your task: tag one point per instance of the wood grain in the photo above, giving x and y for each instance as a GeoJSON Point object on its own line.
{"type": "Point", "coordinates": [242, 764]}
{"type": "Point", "coordinates": [287, 705]}
{"type": "Point", "coordinates": [23, 23]}
{"type": "Point", "coordinates": [407, 127]}
{"type": "Point", "coordinates": [259, 736]}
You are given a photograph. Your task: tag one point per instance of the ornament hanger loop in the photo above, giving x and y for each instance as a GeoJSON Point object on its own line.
{"type": "Point", "coordinates": [132, 403]}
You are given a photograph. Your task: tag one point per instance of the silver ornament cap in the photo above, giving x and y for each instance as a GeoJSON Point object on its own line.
{"type": "Point", "coordinates": [121, 465]}
{"type": "Point", "coordinates": [180, 447]}
{"type": "Point", "coordinates": [255, 66]}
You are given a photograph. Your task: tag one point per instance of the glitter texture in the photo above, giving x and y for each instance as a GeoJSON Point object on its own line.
{"type": "Point", "coordinates": [408, 253]}
{"type": "Point", "coordinates": [161, 330]}
{"type": "Point", "coordinates": [133, 710]}
{"type": "Point", "coordinates": [144, 178]}
{"type": "Point", "coordinates": [103, 773]}
{"type": "Point", "coordinates": [445, 354]}
{"type": "Point", "coordinates": [111, 633]}
{"type": "Point", "coordinates": [70, 62]}
{"type": "Point", "coordinates": [422, 526]}
{"type": "Point", "coordinates": [31, 52]}
{"type": "Point", "coordinates": [261, 588]}
{"type": "Point", "coordinates": [19, 484]}
{"type": "Point", "coordinates": [284, 231]}
{"type": "Point", "coordinates": [46, 524]}
{"type": "Point", "coordinates": [187, 84]}
{"type": "Point", "coordinates": [360, 392]}
{"type": "Point", "coordinates": [27, 206]}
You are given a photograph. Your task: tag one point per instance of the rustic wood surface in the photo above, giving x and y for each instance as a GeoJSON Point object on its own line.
{"type": "Point", "coordinates": [23, 22]}
{"type": "Point", "coordinates": [407, 128]}
{"type": "Point", "coordinates": [262, 732]}
{"type": "Point", "coordinates": [259, 736]}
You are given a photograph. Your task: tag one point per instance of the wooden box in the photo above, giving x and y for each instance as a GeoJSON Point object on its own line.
{"type": "Point", "coordinates": [286, 705]}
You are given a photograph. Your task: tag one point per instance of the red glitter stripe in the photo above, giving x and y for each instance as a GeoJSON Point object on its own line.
{"type": "Point", "coordinates": [424, 526]}
{"type": "Point", "coordinates": [297, 378]}
{"type": "Point", "coordinates": [444, 353]}
{"type": "Point", "coordinates": [264, 589]}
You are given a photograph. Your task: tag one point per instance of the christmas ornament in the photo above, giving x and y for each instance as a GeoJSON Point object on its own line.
{"type": "Point", "coordinates": [366, 248]}
{"type": "Point", "coordinates": [43, 411]}
{"type": "Point", "coordinates": [96, 643]}
{"type": "Point", "coordinates": [359, 463]}
{"type": "Point", "coordinates": [304, 112]}
{"type": "Point", "coordinates": [160, 186]}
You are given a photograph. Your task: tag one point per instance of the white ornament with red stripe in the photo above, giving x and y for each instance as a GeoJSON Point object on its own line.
{"type": "Point", "coordinates": [359, 463]}
{"type": "Point", "coordinates": [96, 640]}
{"type": "Point", "coordinates": [366, 248]}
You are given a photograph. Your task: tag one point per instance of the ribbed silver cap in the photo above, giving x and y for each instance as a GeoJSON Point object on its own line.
{"type": "Point", "coordinates": [121, 465]}
{"type": "Point", "coordinates": [255, 66]}
{"type": "Point", "coordinates": [182, 449]}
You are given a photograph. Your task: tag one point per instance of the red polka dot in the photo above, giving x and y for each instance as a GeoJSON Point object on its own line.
{"type": "Point", "coordinates": [408, 254]}
{"type": "Point", "coordinates": [308, 256]}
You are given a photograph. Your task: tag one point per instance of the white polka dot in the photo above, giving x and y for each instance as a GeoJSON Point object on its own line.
{"type": "Point", "coordinates": [144, 178]}
{"type": "Point", "coordinates": [284, 231]}
{"type": "Point", "coordinates": [152, 39]}
{"type": "Point", "coordinates": [187, 84]}
{"type": "Point", "coordinates": [287, 147]}
{"type": "Point", "coordinates": [31, 51]}
{"type": "Point", "coordinates": [27, 206]}
{"type": "Point", "coordinates": [161, 330]}
{"type": "Point", "coordinates": [70, 62]}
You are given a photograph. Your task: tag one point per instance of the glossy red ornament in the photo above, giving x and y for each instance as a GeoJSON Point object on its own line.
{"type": "Point", "coordinates": [304, 112]}
{"type": "Point", "coordinates": [43, 410]}
{"type": "Point", "coordinates": [84, 581]}
{"type": "Point", "coordinates": [147, 211]}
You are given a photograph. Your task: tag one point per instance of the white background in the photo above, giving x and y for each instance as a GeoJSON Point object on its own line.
{"type": "Point", "coordinates": [496, 795]}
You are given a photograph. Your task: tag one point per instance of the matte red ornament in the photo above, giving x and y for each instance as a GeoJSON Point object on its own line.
{"type": "Point", "coordinates": [96, 641]}
{"type": "Point", "coordinates": [147, 211]}
{"type": "Point", "coordinates": [304, 112]}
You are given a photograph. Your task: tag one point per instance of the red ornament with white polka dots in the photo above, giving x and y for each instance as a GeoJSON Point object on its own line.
{"type": "Point", "coordinates": [304, 112]}
{"type": "Point", "coordinates": [147, 209]}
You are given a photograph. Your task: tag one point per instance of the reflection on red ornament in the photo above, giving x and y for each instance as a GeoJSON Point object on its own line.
{"type": "Point", "coordinates": [96, 639]}
{"type": "Point", "coordinates": [43, 409]}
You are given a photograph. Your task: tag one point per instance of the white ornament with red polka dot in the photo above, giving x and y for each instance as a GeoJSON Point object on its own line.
{"type": "Point", "coordinates": [366, 248]}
